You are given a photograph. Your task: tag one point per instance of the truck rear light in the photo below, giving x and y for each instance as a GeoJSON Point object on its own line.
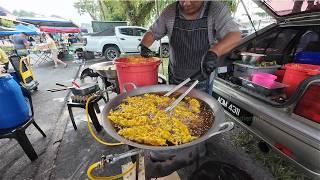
{"type": "Point", "coordinates": [283, 149]}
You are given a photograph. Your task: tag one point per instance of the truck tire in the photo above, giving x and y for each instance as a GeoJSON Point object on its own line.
{"type": "Point", "coordinates": [111, 53]}
{"type": "Point", "coordinates": [165, 50]}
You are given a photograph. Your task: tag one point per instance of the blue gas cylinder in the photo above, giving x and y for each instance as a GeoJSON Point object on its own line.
{"type": "Point", "coordinates": [14, 110]}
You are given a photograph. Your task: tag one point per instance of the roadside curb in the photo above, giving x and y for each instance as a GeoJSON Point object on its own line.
{"type": "Point", "coordinates": [48, 163]}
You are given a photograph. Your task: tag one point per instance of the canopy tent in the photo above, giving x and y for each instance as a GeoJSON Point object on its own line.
{"type": "Point", "coordinates": [54, 22]}
{"type": "Point", "coordinates": [84, 30]}
{"type": "Point", "coordinates": [6, 29]}
{"type": "Point", "coordinates": [59, 29]}
{"type": "Point", "coordinates": [21, 29]}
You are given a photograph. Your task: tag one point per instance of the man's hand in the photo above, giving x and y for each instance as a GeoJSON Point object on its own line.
{"type": "Point", "coordinates": [209, 63]}
{"type": "Point", "coordinates": [146, 52]}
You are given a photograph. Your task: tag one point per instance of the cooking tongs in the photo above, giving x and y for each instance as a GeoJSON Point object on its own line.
{"type": "Point", "coordinates": [179, 99]}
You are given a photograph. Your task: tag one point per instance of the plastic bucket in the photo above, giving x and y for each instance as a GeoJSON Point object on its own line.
{"type": "Point", "coordinates": [14, 110]}
{"type": "Point", "coordinates": [137, 70]}
{"type": "Point", "coordinates": [280, 74]}
{"type": "Point", "coordinates": [295, 73]}
{"type": "Point", "coordinates": [263, 79]}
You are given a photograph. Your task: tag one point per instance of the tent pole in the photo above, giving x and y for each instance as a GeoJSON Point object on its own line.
{"type": "Point", "coordinates": [161, 58]}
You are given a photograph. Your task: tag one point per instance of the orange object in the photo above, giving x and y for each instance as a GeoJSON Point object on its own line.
{"type": "Point", "coordinates": [309, 105]}
{"type": "Point", "coordinates": [138, 70]}
{"type": "Point", "coordinates": [295, 73]}
{"type": "Point", "coordinates": [284, 149]}
{"type": "Point", "coordinates": [280, 75]}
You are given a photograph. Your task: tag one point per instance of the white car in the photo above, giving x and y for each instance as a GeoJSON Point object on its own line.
{"type": "Point", "coordinates": [122, 39]}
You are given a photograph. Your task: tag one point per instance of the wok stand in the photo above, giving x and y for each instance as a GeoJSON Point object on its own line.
{"type": "Point", "coordinates": [153, 158]}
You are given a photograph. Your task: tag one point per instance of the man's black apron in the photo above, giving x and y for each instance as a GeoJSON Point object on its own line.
{"type": "Point", "coordinates": [189, 43]}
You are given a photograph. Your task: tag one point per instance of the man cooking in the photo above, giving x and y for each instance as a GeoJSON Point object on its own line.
{"type": "Point", "coordinates": [199, 32]}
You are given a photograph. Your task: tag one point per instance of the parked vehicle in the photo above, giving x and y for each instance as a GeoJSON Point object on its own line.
{"type": "Point", "coordinates": [275, 115]}
{"type": "Point", "coordinates": [122, 39]}
{"type": "Point", "coordinates": [98, 26]}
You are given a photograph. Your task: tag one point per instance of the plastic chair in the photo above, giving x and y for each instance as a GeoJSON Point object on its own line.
{"type": "Point", "coordinates": [93, 107]}
{"type": "Point", "coordinates": [19, 134]}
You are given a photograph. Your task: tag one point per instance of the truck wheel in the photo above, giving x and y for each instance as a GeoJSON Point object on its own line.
{"type": "Point", "coordinates": [165, 50]}
{"type": "Point", "coordinates": [111, 53]}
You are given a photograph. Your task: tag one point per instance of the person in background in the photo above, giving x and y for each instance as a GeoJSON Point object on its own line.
{"type": "Point", "coordinates": [4, 59]}
{"type": "Point", "coordinates": [21, 44]}
{"type": "Point", "coordinates": [54, 51]}
{"type": "Point", "coordinates": [31, 40]}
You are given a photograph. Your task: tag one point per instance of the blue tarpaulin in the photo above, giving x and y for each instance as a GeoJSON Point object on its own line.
{"type": "Point", "coordinates": [21, 29]}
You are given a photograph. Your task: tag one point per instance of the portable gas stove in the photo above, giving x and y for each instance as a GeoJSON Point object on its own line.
{"type": "Point", "coordinates": [83, 98]}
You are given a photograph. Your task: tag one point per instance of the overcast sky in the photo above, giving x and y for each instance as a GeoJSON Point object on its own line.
{"type": "Point", "coordinates": [63, 8]}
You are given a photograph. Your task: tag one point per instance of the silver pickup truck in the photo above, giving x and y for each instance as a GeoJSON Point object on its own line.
{"type": "Point", "coordinates": [122, 39]}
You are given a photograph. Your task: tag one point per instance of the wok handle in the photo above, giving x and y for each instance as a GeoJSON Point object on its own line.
{"type": "Point", "coordinates": [129, 83]}
{"type": "Point", "coordinates": [224, 127]}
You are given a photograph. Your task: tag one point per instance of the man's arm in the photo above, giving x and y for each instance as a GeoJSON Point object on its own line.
{"type": "Point", "coordinates": [159, 28]}
{"type": "Point", "coordinates": [228, 42]}
{"type": "Point", "coordinates": [147, 39]}
{"type": "Point", "coordinates": [227, 32]}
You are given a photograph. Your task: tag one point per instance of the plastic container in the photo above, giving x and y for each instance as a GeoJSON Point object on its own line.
{"type": "Point", "coordinates": [137, 70]}
{"type": "Point", "coordinates": [263, 79]}
{"type": "Point", "coordinates": [295, 73]}
{"type": "Point", "coordinates": [309, 105]}
{"type": "Point", "coordinates": [307, 57]}
{"type": "Point", "coordinates": [244, 70]}
{"type": "Point", "coordinates": [14, 110]}
{"type": "Point", "coordinates": [274, 90]}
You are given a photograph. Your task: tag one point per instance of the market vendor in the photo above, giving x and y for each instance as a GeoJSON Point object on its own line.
{"type": "Point", "coordinates": [21, 44]}
{"type": "Point", "coordinates": [199, 32]}
{"type": "Point", "coordinates": [4, 60]}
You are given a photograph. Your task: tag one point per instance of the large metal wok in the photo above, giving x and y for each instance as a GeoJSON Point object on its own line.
{"type": "Point", "coordinates": [219, 124]}
{"type": "Point", "coordinates": [105, 69]}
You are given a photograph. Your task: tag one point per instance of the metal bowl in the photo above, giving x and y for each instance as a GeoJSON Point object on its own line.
{"type": "Point", "coordinates": [252, 58]}
{"type": "Point", "coordinates": [219, 125]}
{"type": "Point", "coordinates": [105, 69]}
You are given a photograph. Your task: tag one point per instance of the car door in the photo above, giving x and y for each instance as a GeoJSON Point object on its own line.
{"type": "Point", "coordinates": [128, 41]}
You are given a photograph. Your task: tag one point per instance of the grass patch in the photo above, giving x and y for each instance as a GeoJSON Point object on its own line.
{"type": "Point", "coordinates": [279, 167]}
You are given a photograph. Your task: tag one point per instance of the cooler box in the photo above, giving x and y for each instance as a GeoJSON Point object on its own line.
{"type": "Point", "coordinates": [307, 57]}
{"type": "Point", "coordinates": [309, 104]}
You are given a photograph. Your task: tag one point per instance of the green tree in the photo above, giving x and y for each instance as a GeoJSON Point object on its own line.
{"type": "Point", "coordinates": [88, 6]}
{"type": "Point", "coordinates": [112, 10]}
{"type": "Point", "coordinates": [136, 12]}
{"type": "Point", "coordinates": [23, 13]}
{"type": "Point", "coordinates": [6, 23]}
{"type": "Point", "coordinates": [232, 5]}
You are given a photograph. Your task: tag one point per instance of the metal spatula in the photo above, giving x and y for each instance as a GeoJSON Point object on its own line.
{"type": "Point", "coordinates": [177, 87]}
{"type": "Point", "coordinates": [176, 102]}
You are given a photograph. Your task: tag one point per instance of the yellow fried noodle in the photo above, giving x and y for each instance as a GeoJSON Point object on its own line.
{"type": "Point", "coordinates": [143, 119]}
